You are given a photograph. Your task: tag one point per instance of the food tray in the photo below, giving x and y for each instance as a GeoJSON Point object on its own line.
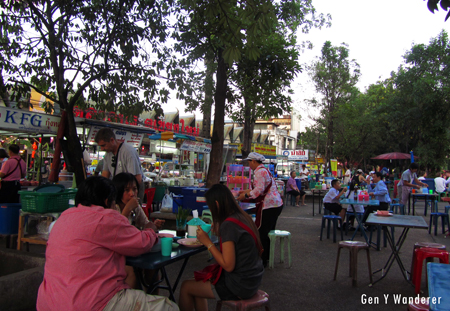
{"type": "Point", "coordinates": [38, 202]}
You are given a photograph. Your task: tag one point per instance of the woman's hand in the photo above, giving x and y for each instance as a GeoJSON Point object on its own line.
{"type": "Point", "coordinates": [203, 237]}
{"type": "Point", "coordinates": [242, 194]}
{"type": "Point", "coordinates": [159, 223]}
{"type": "Point", "coordinates": [130, 206]}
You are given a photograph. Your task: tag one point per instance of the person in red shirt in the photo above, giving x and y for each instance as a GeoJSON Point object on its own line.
{"type": "Point", "coordinates": [12, 171]}
{"type": "Point", "coordinates": [85, 256]}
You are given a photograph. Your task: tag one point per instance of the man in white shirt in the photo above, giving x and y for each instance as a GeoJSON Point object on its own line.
{"type": "Point", "coordinates": [303, 175]}
{"type": "Point", "coordinates": [331, 199]}
{"type": "Point", "coordinates": [440, 183]}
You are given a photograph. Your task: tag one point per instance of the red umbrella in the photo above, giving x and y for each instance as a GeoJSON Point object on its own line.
{"type": "Point", "coordinates": [393, 156]}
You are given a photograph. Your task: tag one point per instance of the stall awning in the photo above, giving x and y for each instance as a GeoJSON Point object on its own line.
{"type": "Point", "coordinates": [170, 136]}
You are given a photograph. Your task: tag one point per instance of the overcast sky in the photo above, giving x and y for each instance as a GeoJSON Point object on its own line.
{"type": "Point", "coordinates": [378, 34]}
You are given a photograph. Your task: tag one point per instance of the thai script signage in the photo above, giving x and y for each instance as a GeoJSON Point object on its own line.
{"type": "Point", "coordinates": [23, 120]}
{"type": "Point", "coordinates": [196, 146]}
{"type": "Point", "coordinates": [263, 149]}
{"type": "Point", "coordinates": [124, 136]}
{"type": "Point", "coordinates": [159, 125]}
{"type": "Point", "coordinates": [296, 155]}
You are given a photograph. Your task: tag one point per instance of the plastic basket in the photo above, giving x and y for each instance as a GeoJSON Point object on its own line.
{"type": "Point", "coordinates": [38, 202]}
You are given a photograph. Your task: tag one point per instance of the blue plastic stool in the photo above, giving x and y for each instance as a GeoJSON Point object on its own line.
{"type": "Point", "coordinates": [395, 200]}
{"type": "Point", "coordinates": [434, 217]}
{"type": "Point", "coordinates": [397, 207]}
{"type": "Point", "coordinates": [335, 220]}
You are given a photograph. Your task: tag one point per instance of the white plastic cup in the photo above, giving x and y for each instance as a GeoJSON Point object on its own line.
{"type": "Point", "coordinates": [195, 213]}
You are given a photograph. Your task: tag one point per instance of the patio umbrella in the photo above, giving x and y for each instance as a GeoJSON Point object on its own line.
{"type": "Point", "coordinates": [393, 156]}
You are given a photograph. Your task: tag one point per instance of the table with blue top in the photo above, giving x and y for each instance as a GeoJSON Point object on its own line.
{"type": "Point", "coordinates": [432, 197]}
{"type": "Point", "coordinates": [154, 260]}
{"type": "Point", "coordinates": [438, 286]}
{"type": "Point", "coordinates": [406, 222]}
{"type": "Point", "coordinates": [357, 216]}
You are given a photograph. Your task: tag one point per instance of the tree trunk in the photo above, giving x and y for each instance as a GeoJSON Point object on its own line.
{"type": "Point", "coordinates": [206, 107]}
{"type": "Point", "coordinates": [215, 167]}
{"type": "Point", "coordinates": [249, 125]}
{"type": "Point", "coordinates": [56, 163]}
{"type": "Point", "coordinates": [73, 143]}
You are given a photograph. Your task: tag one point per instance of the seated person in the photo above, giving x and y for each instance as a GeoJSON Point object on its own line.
{"type": "Point", "coordinates": [85, 256]}
{"type": "Point", "coordinates": [440, 183]}
{"type": "Point", "coordinates": [352, 208]}
{"type": "Point", "coordinates": [239, 256]}
{"type": "Point", "coordinates": [127, 204]}
{"type": "Point", "coordinates": [292, 189]}
{"type": "Point", "coordinates": [380, 193]}
{"type": "Point", "coordinates": [331, 199]}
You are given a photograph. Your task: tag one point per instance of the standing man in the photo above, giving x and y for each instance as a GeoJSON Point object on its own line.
{"type": "Point", "coordinates": [304, 176]}
{"type": "Point", "coordinates": [12, 171]}
{"type": "Point", "coordinates": [381, 193]}
{"type": "Point", "coordinates": [119, 157]}
{"type": "Point", "coordinates": [406, 183]}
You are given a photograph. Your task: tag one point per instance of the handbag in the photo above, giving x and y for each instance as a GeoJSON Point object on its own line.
{"type": "Point", "coordinates": [212, 272]}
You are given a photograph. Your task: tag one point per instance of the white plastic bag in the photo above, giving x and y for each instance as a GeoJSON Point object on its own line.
{"type": "Point", "coordinates": [167, 203]}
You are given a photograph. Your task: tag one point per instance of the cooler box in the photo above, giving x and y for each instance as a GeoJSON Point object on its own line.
{"type": "Point", "coordinates": [177, 202]}
{"type": "Point", "coordinates": [175, 190]}
{"type": "Point", "coordinates": [9, 218]}
{"type": "Point", "coordinates": [194, 198]}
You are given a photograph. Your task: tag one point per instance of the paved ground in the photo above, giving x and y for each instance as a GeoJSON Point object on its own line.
{"type": "Point", "coordinates": [309, 285]}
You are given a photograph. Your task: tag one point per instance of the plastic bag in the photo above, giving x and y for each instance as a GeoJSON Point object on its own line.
{"type": "Point", "coordinates": [167, 203]}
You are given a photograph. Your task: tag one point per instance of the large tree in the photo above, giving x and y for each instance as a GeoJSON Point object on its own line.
{"type": "Point", "coordinates": [231, 30]}
{"type": "Point", "coordinates": [107, 51]}
{"type": "Point", "coordinates": [334, 76]}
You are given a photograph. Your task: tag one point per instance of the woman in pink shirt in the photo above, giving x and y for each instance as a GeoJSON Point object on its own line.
{"type": "Point", "coordinates": [265, 188]}
{"type": "Point", "coordinates": [85, 256]}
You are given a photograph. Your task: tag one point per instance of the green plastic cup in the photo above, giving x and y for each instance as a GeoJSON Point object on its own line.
{"type": "Point", "coordinates": [207, 229]}
{"type": "Point", "coordinates": [431, 191]}
{"type": "Point", "coordinates": [166, 246]}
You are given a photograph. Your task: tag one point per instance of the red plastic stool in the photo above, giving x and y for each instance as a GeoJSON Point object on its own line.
{"type": "Point", "coordinates": [418, 307]}
{"type": "Point", "coordinates": [421, 245]}
{"type": "Point", "coordinates": [421, 254]}
{"type": "Point", "coordinates": [261, 299]}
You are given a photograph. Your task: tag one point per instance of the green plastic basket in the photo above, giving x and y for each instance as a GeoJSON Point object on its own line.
{"type": "Point", "coordinates": [41, 202]}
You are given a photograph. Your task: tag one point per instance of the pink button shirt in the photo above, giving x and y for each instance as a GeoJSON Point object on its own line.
{"type": "Point", "coordinates": [85, 258]}
{"type": "Point", "coordinates": [261, 181]}
{"type": "Point", "coordinates": [10, 165]}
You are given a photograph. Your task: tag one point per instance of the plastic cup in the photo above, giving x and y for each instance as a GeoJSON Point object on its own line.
{"type": "Point", "coordinates": [207, 229]}
{"type": "Point", "coordinates": [431, 191]}
{"type": "Point", "coordinates": [414, 191]}
{"type": "Point", "coordinates": [166, 246]}
{"type": "Point", "coordinates": [195, 213]}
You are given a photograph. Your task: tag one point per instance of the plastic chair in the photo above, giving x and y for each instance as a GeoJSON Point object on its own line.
{"type": "Point", "coordinates": [261, 299]}
{"type": "Point", "coordinates": [335, 220]}
{"type": "Point", "coordinates": [418, 306]}
{"type": "Point", "coordinates": [273, 235]}
{"type": "Point", "coordinates": [420, 255]}
{"type": "Point", "coordinates": [149, 194]}
{"type": "Point", "coordinates": [354, 247]}
{"type": "Point", "coordinates": [397, 207]}
{"type": "Point", "coordinates": [422, 245]}
{"type": "Point", "coordinates": [206, 215]}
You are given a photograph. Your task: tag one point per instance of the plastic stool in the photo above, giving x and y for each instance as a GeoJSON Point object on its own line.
{"type": "Point", "coordinates": [261, 299]}
{"type": "Point", "coordinates": [206, 214]}
{"type": "Point", "coordinates": [379, 236]}
{"type": "Point", "coordinates": [418, 306]}
{"type": "Point", "coordinates": [354, 247]}
{"type": "Point", "coordinates": [421, 245]}
{"type": "Point", "coordinates": [273, 234]}
{"type": "Point", "coordinates": [420, 255]}
{"type": "Point", "coordinates": [434, 219]}
{"type": "Point", "coordinates": [335, 220]}
{"type": "Point", "coordinates": [395, 200]}
{"type": "Point", "coordinates": [397, 207]}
